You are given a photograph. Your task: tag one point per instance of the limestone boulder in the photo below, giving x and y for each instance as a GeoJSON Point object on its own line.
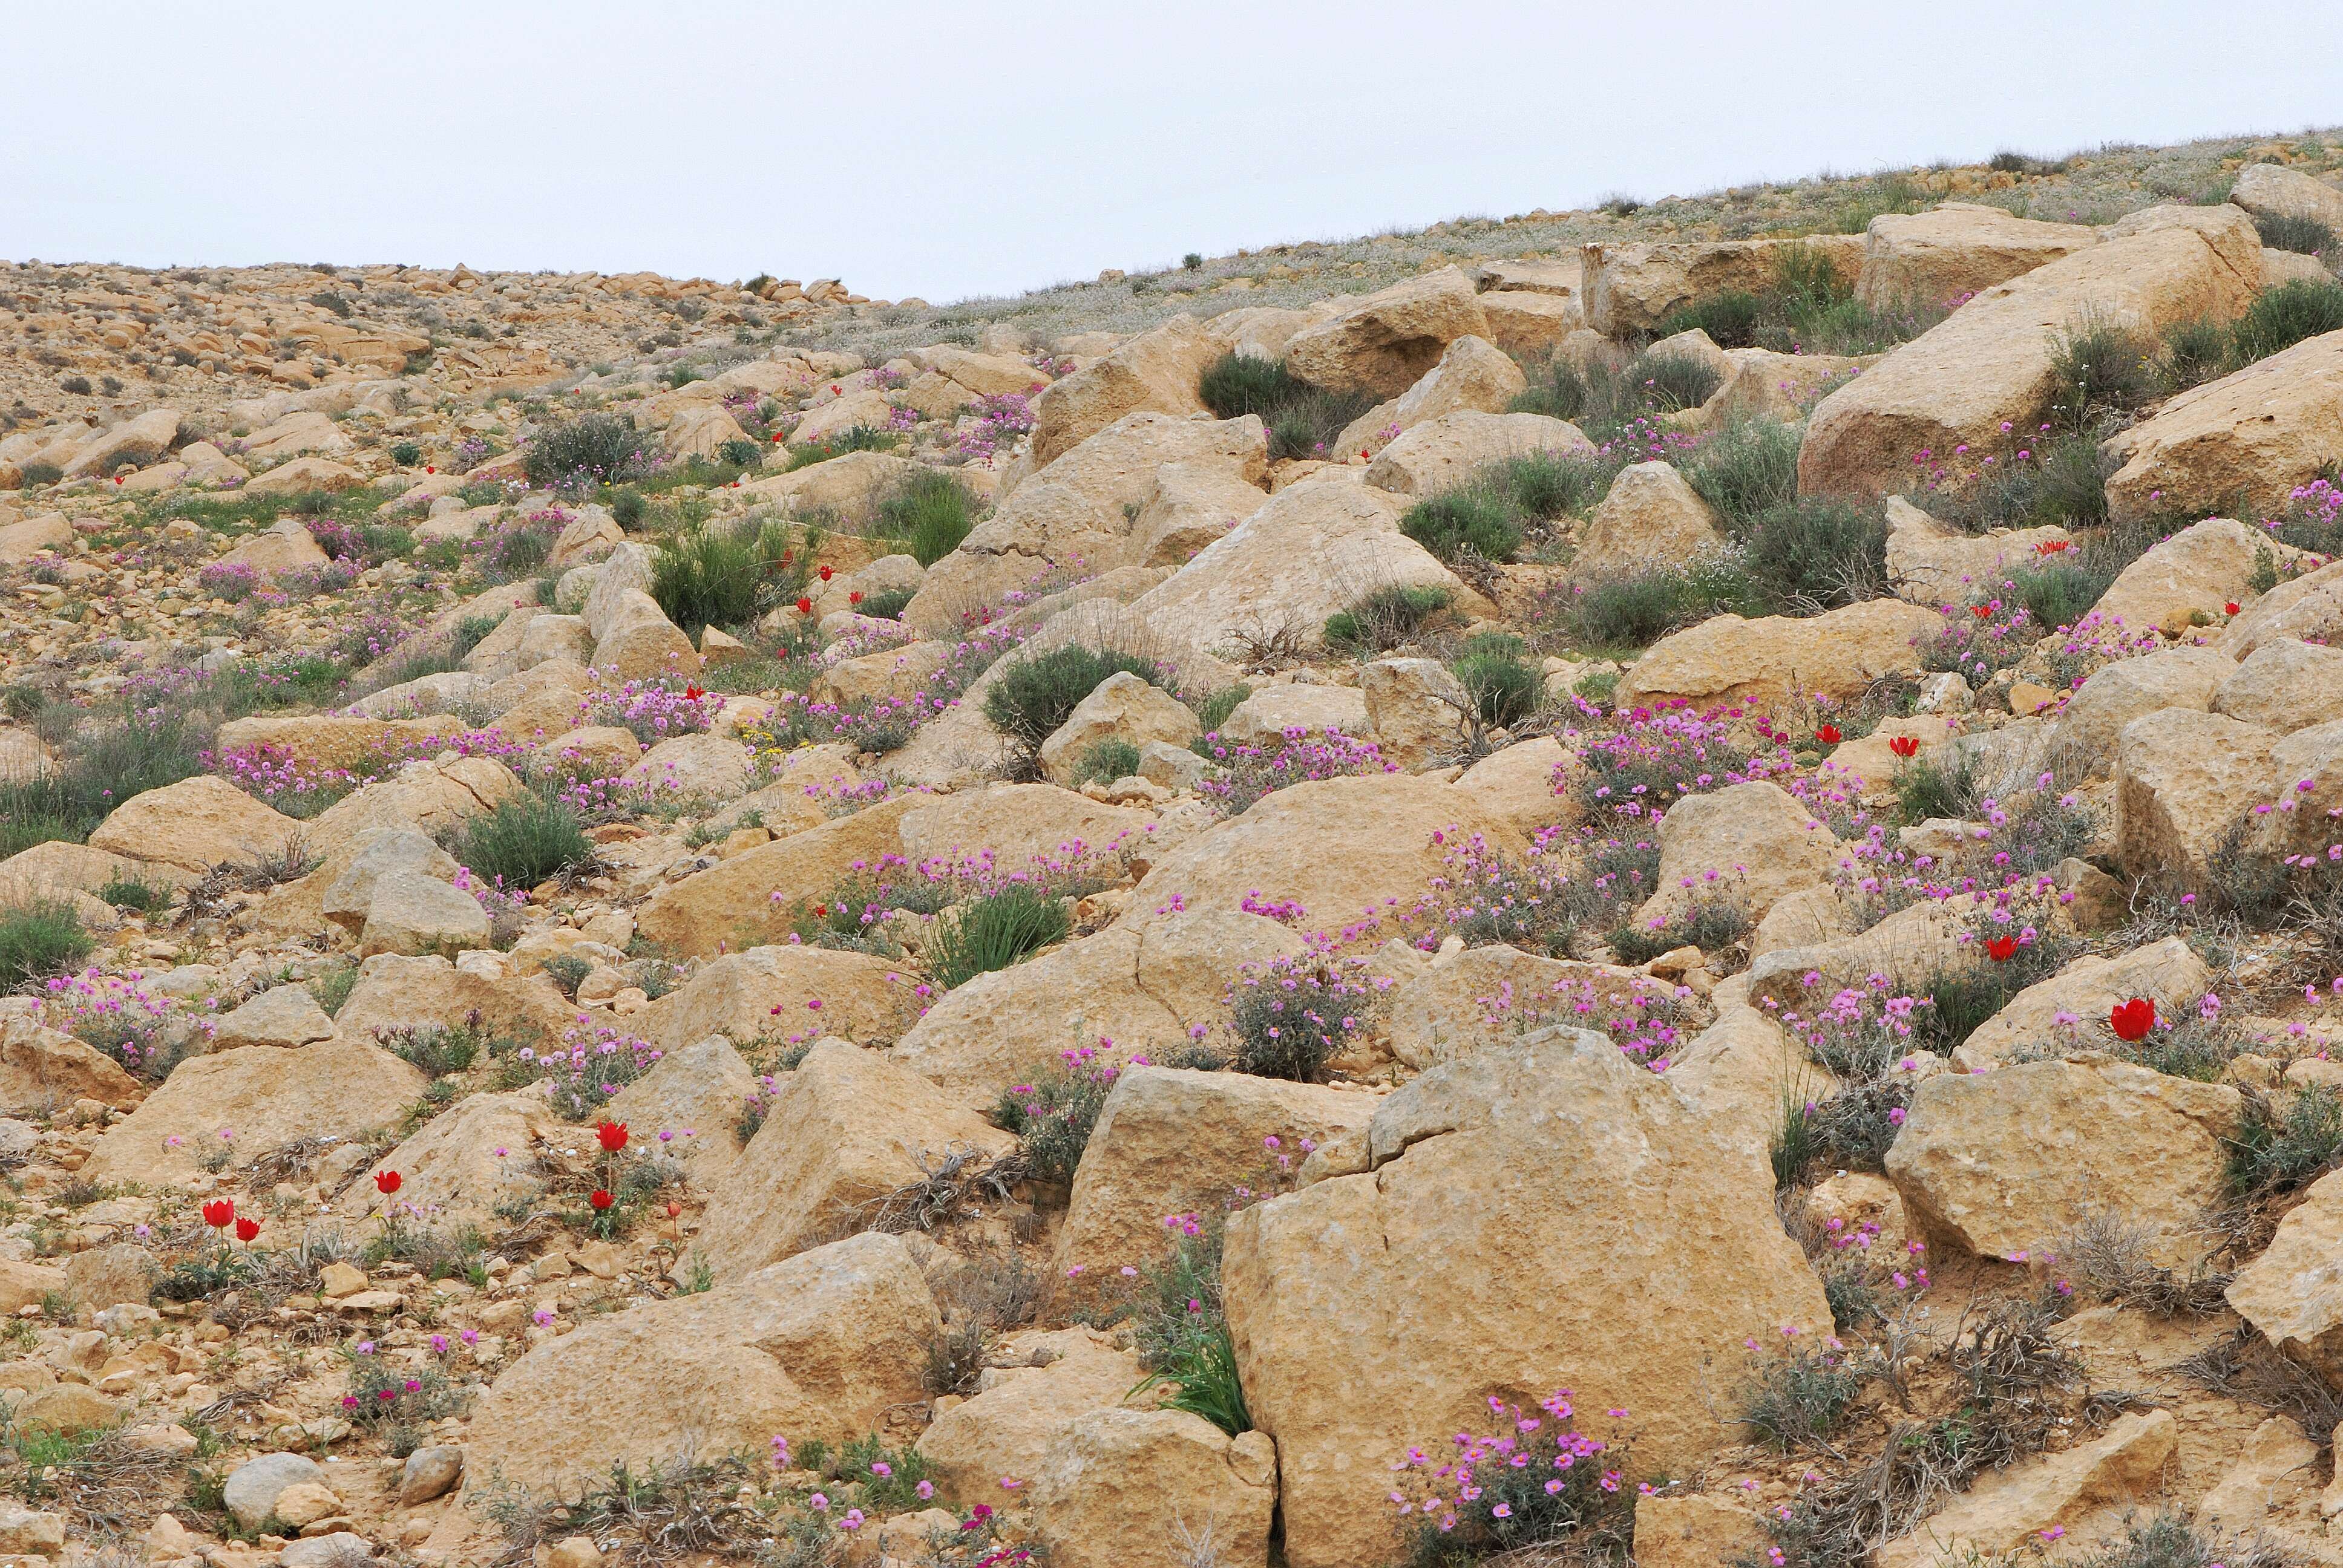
{"type": "Point", "coordinates": [2273, 190]}
{"type": "Point", "coordinates": [2167, 973]}
{"type": "Point", "coordinates": [1751, 844]}
{"type": "Point", "coordinates": [819, 1346]}
{"type": "Point", "coordinates": [194, 825]}
{"type": "Point", "coordinates": [707, 766]}
{"type": "Point", "coordinates": [1472, 374]}
{"type": "Point", "coordinates": [285, 1015]}
{"type": "Point", "coordinates": [266, 1097]}
{"type": "Point", "coordinates": [1650, 518]}
{"type": "Point", "coordinates": [2250, 438]}
{"type": "Point", "coordinates": [284, 548]}
{"type": "Point", "coordinates": [1991, 362]}
{"type": "Point", "coordinates": [1273, 710]}
{"type": "Point", "coordinates": [1383, 342]}
{"type": "Point", "coordinates": [398, 991]}
{"type": "Point", "coordinates": [1192, 504]}
{"type": "Point", "coordinates": [2183, 780]}
{"type": "Point", "coordinates": [2092, 724]}
{"type": "Point", "coordinates": [1728, 660]}
{"type": "Point", "coordinates": [1933, 564]}
{"type": "Point", "coordinates": [346, 891]}
{"type": "Point", "coordinates": [1171, 1140]}
{"type": "Point", "coordinates": [771, 993]}
{"type": "Point", "coordinates": [1633, 288]}
{"type": "Point", "coordinates": [1440, 453]}
{"type": "Point", "coordinates": [428, 797]}
{"type": "Point", "coordinates": [697, 1092]}
{"type": "Point", "coordinates": [2086, 1492]}
{"type": "Point", "coordinates": [751, 899]}
{"type": "Point", "coordinates": [1948, 254]}
{"type": "Point", "coordinates": [1531, 326]}
{"type": "Point", "coordinates": [1141, 987]}
{"type": "Point", "coordinates": [470, 1157]}
{"type": "Point", "coordinates": [1518, 783]}
{"type": "Point", "coordinates": [1653, 1253]}
{"type": "Point", "coordinates": [1118, 1489]}
{"type": "Point", "coordinates": [2292, 1292]}
{"type": "Point", "coordinates": [866, 406]}
{"type": "Point", "coordinates": [2284, 685]}
{"type": "Point", "coordinates": [1155, 372]}
{"type": "Point", "coordinates": [851, 482]}
{"type": "Point", "coordinates": [42, 1069]}
{"type": "Point", "coordinates": [2192, 577]}
{"type": "Point", "coordinates": [1040, 1382]}
{"type": "Point", "coordinates": [1416, 711]}
{"type": "Point", "coordinates": [846, 1127]}
{"type": "Point", "coordinates": [2309, 606]}
{"type": "Point", "coordinates": [413, 912]}
{"type": "Point", "coordinates": [1124, 707]}
{"type": "Point", "coordinates": [2011, 1161]}
{"type": "Point", "coordinates": [137, 442]}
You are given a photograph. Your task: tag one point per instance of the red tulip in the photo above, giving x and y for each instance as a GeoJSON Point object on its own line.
{"type": "Point", "coordinates": [1826, 735]}
{"type": "Point", "coordinates": [600, 1200]}
{"type": "Point", "coordinates": [430, 467]}
{"type": "Point", "coordinates": [777, 437]}
{"type": "Point", "coordinates": [2231, 607]}
{"type": "Point", "coordinates": [833, 389]}
{"type": "Point", "coordinates": [2001, 949]}
{"type": "Point", "coordinates": [117, 480]}
{"type": "Point", "coordinates": [825, 573]}
{"type": "Point", "coordinates": [2050, 546]}
{"type": "Point", "coordinates": [2132, 1019]}
{"type": "Point", "coordinates": [854, 597]}
{"type": "Point", "coordinates": [1904, 746]}
{"type": "Point", "coordinates": [821, 911]}
{"type": "Point", "coordinates": [612, 1135]}
{"type": "Point", "coordinates": [218, 1213]}
{"type": "Point", "coordinates": [1981, 610]}
{"type": "Point", "coordinates": [673, 1207]}
{"type": "Point", "coordinates": [693, 693]}
{"type": "Point", "coordinates": [386, 1182]}
{"type": "Point", "coordinates": [246, 1228]}
{"type": "Point", "coordinates": [805, 606]}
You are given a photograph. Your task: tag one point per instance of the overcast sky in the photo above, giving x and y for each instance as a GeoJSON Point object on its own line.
{"type": "Point", "coordinates": [952, 150]}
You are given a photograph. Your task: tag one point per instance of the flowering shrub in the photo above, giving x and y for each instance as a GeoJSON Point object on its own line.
{"type": "Point", "coordinates": [998, 421]}
{"type": "Point", "coordinates": [518, 546]}
{"type": "Point", "coordinates": [882, 724]}
{"type": "Point", "coordinates": [1978, 640]}
{"type": "Point", "coordinates": [1535, 904]}
{"type": "Point", "coordinates": [1658, 757]}
{"type": "Point", "coordinates": [652, 710]}
{"type": "Point", "coordinates": [592, 1064]}
{"type": "Point", "coordinates": [230, 580]}
{"type": "Point", "coordinates": [115, 1014]}
{"type": "Point", "coordinates": [1861, 1033]}
{"type": "Point", "coordinates": [1249, 772]}
{"type": "Point", "coordinates": [294, 786]}
{"type": "Point", "coordinates": [1537, 1480]}
{"type": "Point", "coordinates": [1052, 1116]}
{"type": "Point", "coordinates": [302, 583]}
{"type": "Point", "coordinates": [1291, 1015]}
{"type": "Point", "coordinates": [380, 1394]}
{"type": "Point", "coordinates": [339, 539]}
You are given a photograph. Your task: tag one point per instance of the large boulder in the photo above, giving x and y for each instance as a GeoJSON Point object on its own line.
{"type": "Point", "coordinates": [1155, 372]}
{"type": "Point", "coordinates": [398, 991]}
{"type": "Point", "coordinates": [284, 1015]}
{"type": "Point", "coordinates": [1040, 1383]}
{"type": "Point", "coordinates": [1633, 288]}
{"type": "Point", "coordinates": [2094, 716]}
{"type": "Point", "coordinates": [1192, 504]}
{"type": "Point", "coordinates": [1442, 454]}
{"type": "Point", "coordinates": [194, 825]}
{"type": "Point", "coordinates": [751, 899]}
{"type": "Point", "coordinates": [2192, 577]}
{"type": "Point", "coordinates": [698, 1091]}
{"type": "Point", "coordinates": [2273, 190]}
{"type": "Point", "coordinates": [1751, 844]}
{"type": "Point", "coordinates": [846, 1127]}
{"type": "Point", "coordinates": [1138, 1488]}
{"type": "Point", "coordinates": [2250, 438]}
{"type": "Point", "coordinates": [1084, 507]}
{"type": "Point", "coordinates": [1383, 342]}
{"type": "Point", "coordinates": [1344, 850]}
{"type": "Point", "coordinates": [2182, 779]}
{"type": "Point", "coordinates": [777, 992]}
{"type": "Point", "coordinates": [818, 1347]}
{"type": "Point", "coordinates": [263, 1098]}
{"type": "Point", "coordinates": [42, 1069]}
{"type": "Point", "coordinates": [1933, 564]}
{"type": "Point", "coordinates": [1172, 1141]}
{"type": "Point", "coordinates": [2290, 1292]}
{"type": "Point", "coordinates": [1650, 518]}
{"type": "Point", "coordinates": [2168, 973]}
{"type": "Point", "coordinates": [1123, 707]}
{"type": "Point", "coordinates": [1141, 989]}
{"type": "Point", "coordinates": [2086, 1492]}
{"type": "Point", "coordinates": [458, 1168]}
{"type": "Point", "coordinates": [1311, 549]}
{"type": "Point", "coordinates": [1726, 659]}
{"type": "Point", "coordinates": [1939, 257]}
{"type": "Point", "coordinates": [1472, 374]}
{"type": "Point", "coordinates": [429, 798]}
{"type": "Point", "coordinates": [1588, 1237]}
{"type": "Point", "coordinates": [2013, 1162]}
{"type": "Point", "coordinates": [1992, 362]}
{"type": "Point", "coordinates": [2284, 685]}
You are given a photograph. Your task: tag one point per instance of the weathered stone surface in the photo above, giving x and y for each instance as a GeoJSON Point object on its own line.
{"type": "Point", "coordinates": [1440, 454]}
{"type": "Point", "coordinates": [1192, 504]}
{"type": "Point", "coordinates": [1931, 563]}
{"type": "Point", "coordinates": [735, 901]}
{"type": "Point", "coordinates": [773, 992]}
{"type": "Point", "coordinates": [1650, 518]}
{"type": "Point", "coordinates": [2083, 1491]}
{"type": "Point", "coordinates": [1633, 288]}
{"type": "Point", "coordinates": [2182, 779]}
{"type": "Point", "coordinates": [1751, 844]}
{"type": "Point", "coordinates": [2293, 1292]}
{"type": "Point", "coordinates": [2273, 190]}
{"type": "Point", "coordinates": [253, 1487]}
{"type": "Point", "coordinates": [2093, 723]}
{"type": "Point", "coordinates": [1472, 374]}
{"type": "Point", "coordinates": [1991, 361]}
{"type": "Point", "coordinates": [2284, 685]}
{"type": "Point", "coordinates": [2015, 1160]}
{"type": "Point", "coordinates": [1272, 710]}
{"type": "Point", "coordinates": [1727, 659]}
{"type": "Point", "coordinates": [2168, 973]}
{"type": "Point", "coordinates": [462, 1163]}
{"type": "Point", "coordinates": [1022, 1403]}
{"type": "Point", "coordinates": [194, 825]}
{"type": "Point", "coordinates": [2191, 579]}
{"type": "Point", "coordinates": [1937, 257]}
{"type": "Point", "coordinates": [1124, 707]}
{"type": "Point", "coordinates": [411, 912]}
{"type": "Point", "coordinates": [265, 1097]}
{"type": "Point", "coordinates": [2250, 438]}
{"type": "Point", "coordinates": [285, 1015]}
{"type": "Point", "coordinates": [846, 1126]}
{"type": "Point", "coordinates": [1416, 711]}
{"type": "Point", "coordinates": [1588, 1239]}
{"type": "Point", "coordinates": [819, 1346]}
{"type": "Point", "coordinates": [1383, 342]}
{"type": "Point", "coordinates": [1116, 1489]}
{"type": "Point", "coordinates": [395, 991]}
{"type": "Point", "coordinates": [43, 1067]}
{"type": "Point", "coordinates": [1155, 372]}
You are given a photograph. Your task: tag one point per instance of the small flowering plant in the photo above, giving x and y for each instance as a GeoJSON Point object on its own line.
{"type": "Point", "coordinates": [1248, 772]}
{"type": "Point", "coordinates": [1291, 1015]}
{"type": "Point", "coordinates": [1536, 1480]}
{"type": "Point", "coordinates": [653, 710]}
{"type": "Point", "coordinates": [592, 1063]}
{"type": "Point", "coordinates": [115, 1014]}
{"type": "Point", "coordinates": [231, 581]}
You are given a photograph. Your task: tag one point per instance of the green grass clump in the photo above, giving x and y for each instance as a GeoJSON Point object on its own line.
{"type": "Point", "coordinates": [1815, 554]}
{"type": "Point", "coordinates": [1303, 420]}
{"type": "Point", "coordinates": [2281, 317]}
{"type": "Point", "coordinates": [1385, 617]}
{"type": "Point", "coordinates": [1106, 762]}
{"type": "Point", "coordinates": [523, 841]}
{"type": "Point", "coordinates": [37, 941]}
{"type": "Point", "coordinates": [854, 438]}
{"type": "Point", "coordinates": [995, 929]}
{"type": "Point", "coordinates": [2297, 232]}
{"type": "Point", "coordinates": [1746, 470]}
{"type": "Point", "coordinates": [718, 575]}
{"type": "Point", "coordinates": [1472, 520]}
{"type": "Point", "coordinates": [1501, 685]}
{"type": "Point", "coordinates": [2279, 1148]}
{"type": "Point", "coordinates": [931, 510]}
{"type": "Point", "coordinates": [1033, 697]}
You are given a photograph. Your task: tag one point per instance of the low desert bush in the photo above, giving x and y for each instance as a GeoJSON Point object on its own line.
{"type": "Point", "coordinates": [37, 941]}
{"type": "Point", "coordinates": [1034, 696]}
{"type": "Point", "coordinates": [590, 450]}
{"type": "Point", "coordinates": [523, 841]}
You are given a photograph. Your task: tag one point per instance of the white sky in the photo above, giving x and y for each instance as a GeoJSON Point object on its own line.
{"type": "Point", "coordinates": [949, 150]}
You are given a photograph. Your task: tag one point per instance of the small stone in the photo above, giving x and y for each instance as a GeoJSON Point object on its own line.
{"type": "Point", "coordinates": [429, 1472]}
{"type": "Point", "coordinates": [574, 1551]}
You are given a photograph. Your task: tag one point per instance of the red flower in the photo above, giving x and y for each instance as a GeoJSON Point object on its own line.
{"type": "Point", "coordinates": [854, 597]}
{"type": "Point", "coordinates": [693, 693]}
{"type": "Point", "coordinates": [246, 1228]}
{"type": "Point", "coordinates": [431, 468]}
{"type": "Point", "coordinates": [673, 1207]}
{"type": "Point", "coordinates": [612, 1135]}
{"type": "Point", "coordinates": [833, 389]}
{"type": "Point", "coordinates": [805, 606]}
{"type": "Point", "coordinates": [218, 1213]}
{"type": "Point", "coordinates": [1981, 610]}
{"type": "Point", "coordinates": [822, 913]}
{"type": "Point", "coordinates": [2132, 1019]}
{"type": "Point", "coordinates": [2001, 949]}
{"type": "Point", "coordinates": [1904, 746]}
{"type": "Point", "coordinates": [2231, 607]}
{"type": "Point", "coordinates": [600, 1200]}
{"type": "Point", "coordinates": [1826, 735]}
{"type": "Point", "coordinates": [386, 1182]}
{"type": "Point", "coordinates": [777, 437]}
{"type": "Point", "coordinates": [825, 573]}
{"type": "Point", "coordinates": [2050, 546]}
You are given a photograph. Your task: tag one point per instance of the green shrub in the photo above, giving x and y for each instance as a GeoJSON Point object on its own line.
{"type": "Point", "coordinates": [39, 474]}
{"type": "Point", "coordinates": [1547, 484]}
{"type": "Point", "coordinates": [995, 929]}
{"type": "Point", "coordinates": [2102, 366]}
{"type": "Point", "coordinates": [1385, 617]}
{"type": "Point", "coordinates": [1303, 420]}
{"type": "Point", "coordinates": [739, 453]}
{"type": "Point", "coordinates": [406, 453]}
{"type": "Point", "coordinates": [591, 449]}
{"type": "Point", "coordinates": [1672, 380]}
{"type": "Point", "coordinates": [434, 1051]}
{"type": "Point", "coordinates": [2195, 351]}
{"type": "Point", "coordinates": [1816, 553]}
{"type": "Point", "coordinates": [104, 764]}
{"type": "Point", "coordinates": [721, 575]}
{"type": "Point", "coordinates": [1053, 1115]}
{"type": "Point", "coordinates": [1475, 518]}
{"type": "Point", "coordinates": [1214, 708]}
{"type": "Point", "coordinates": [1034, 696]}
{"type": "Point", "coordinates": [2281, 317]}
{"type": "Point", "coordinates": [854, 438]}
{"type": "Point", "coordinates": [1798, 1400]}
{"type": "Point", "coordinates": [2297, 232]}
{"type": "Point", "coordinates": [1106, 762]}
{"type": "Point", "coordinates": [888, 605]}
{"type": "Point", "coordinates": [1746, 470]}
{"type": "Point", "coordinates": [1183, 1332]}
{"type": "Point", "coordinates": [523, 841]}
{"type": "Point", "coordinates": [1729, 318]}
{"type": "Point", "coordinates": [1503, 687]}
{"type": "Point", "coordinates": [1925, 789]}
{"type": "Point", "coordinates": [627, 508]}
{"type": "Point", "coordinates": [1637, 609]}
{"type": "Point", "coordinates": [932, 510]}
{"type": "Point", "coordinates": [37, 941]}
{"type": "Point", "coordinates": [2278, 1150]}
{"type": "Point", "coordinates": [134, 893]}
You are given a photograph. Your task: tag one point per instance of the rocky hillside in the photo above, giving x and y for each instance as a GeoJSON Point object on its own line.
{"type": "Point", "coordinates": [1657, 886]}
